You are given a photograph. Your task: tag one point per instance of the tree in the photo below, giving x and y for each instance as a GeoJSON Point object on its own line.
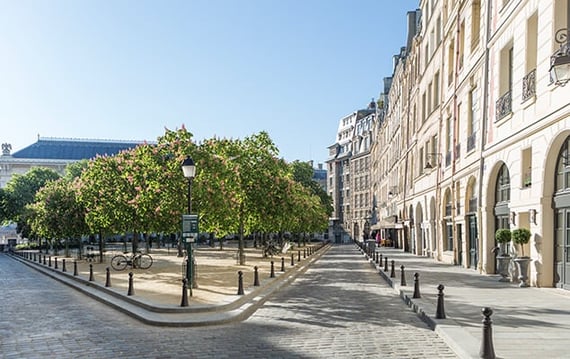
{"type": "Point", "coordinates": [303, 173]}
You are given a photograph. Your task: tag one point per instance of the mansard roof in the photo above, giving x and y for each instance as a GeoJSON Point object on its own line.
{"type": "Point", "coordinates": [72, 149]}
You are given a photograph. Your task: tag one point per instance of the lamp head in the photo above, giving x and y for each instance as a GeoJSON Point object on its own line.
{"type": "Point", "coordinates": [189, 168]}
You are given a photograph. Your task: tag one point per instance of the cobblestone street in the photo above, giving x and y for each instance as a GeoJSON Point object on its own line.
{"type": "Point", "coordinates": [339, 308]}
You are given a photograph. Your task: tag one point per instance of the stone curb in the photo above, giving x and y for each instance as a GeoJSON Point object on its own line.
{"type": "Point", "coordinates": [160, 315]}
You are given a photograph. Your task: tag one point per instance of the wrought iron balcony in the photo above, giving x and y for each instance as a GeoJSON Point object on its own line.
{"type": "Point", "coordinates": [504, 105]}
{"type": "Point", "coordinates": [529, 85]}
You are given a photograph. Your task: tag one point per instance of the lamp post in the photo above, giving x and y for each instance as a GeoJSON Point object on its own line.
{"type": "Point", "coordinates": [189, 170]}
{"type": "Point", "coordinates": [560, 61]}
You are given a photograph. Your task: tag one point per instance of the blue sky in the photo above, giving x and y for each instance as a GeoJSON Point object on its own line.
{"type": "Point", "coordinates": [228, 68]}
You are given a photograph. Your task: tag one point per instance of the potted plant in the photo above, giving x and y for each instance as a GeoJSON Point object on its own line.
{"type": "Point", "coordinates": [521, 236]}
{"type": "Point", "coordinates": [503, 237]}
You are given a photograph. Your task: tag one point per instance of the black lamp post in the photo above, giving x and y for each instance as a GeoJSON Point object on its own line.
{"type": "Point", "coordinates": [560, 61]}
{"type": "Point", "coordinates": [189, 170]}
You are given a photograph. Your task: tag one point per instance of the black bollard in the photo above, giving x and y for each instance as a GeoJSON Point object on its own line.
{"type": "Point", "coordinates": [487, 350]}
{"type": "Point", "coordinates": [49, 261]}
{"type": "Point", "coordinates": [385, 264]}
{"type": "Point", "coordinates": [282, 264]}
{"type": "Point", "coordinates": [131, 290]}
{"type": "Point", "coordinates": [416, 286]}
{"type": "Point", "coordinates": [298, 256]}
{"type": "Point", "coordinates": [44, 259]}
{"type": "Point", "coordinates": [304, 252]}
{"type": "Point", "coordinates": [75, 268]}
{"type": "Point", "coordinates": [403, 276]}
{"type": "Point", "coordinates": [440, 311]}
{"type": "Point", "coordinates": [255, 277]}
{"type": "Point", "coordinates": [393, 270]}
{"type": "Point", "coordinates": [377, 255]}
{"type": "Point", "coordinates": [91, 279]}
{"type": "Point", "coordinates": [184, 302]}
{"type": "Point", "coordinates": [55, 263]}
{"type": "Point", "coordinates": [240, 283]}
{"type": "Point", "coordinates": [272, 274]}
{"type": "Point", "coordinates": [63, 269]}
{"type": "Point", "coordinates": [381, 260]}
{"type": "Point", "coordinates": [35, 258]}
{"type": "Point", "coordinates": [292, 259]}
{"type": "Point", "coordinates": [108, 278]}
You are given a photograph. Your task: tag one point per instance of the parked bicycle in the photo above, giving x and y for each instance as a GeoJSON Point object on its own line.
{"type": "Point", "coordinates": [136, 260]}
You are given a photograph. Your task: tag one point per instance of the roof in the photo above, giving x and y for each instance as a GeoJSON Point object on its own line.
{"type": "Point", "coordinates": [72, 149]}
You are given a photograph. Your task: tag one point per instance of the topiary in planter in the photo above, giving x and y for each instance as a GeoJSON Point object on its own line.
{"type": "Point", "coordinates": [503, 236]}
{"type": "Point", "coordinates": [521, 236]}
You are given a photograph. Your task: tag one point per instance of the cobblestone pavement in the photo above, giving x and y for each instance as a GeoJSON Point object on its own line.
{"type": "Point", "coordinates": [339, 308]}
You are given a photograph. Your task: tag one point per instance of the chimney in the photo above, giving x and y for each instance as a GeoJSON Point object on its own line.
{"type": "Point", "coordinates": [411, 28]}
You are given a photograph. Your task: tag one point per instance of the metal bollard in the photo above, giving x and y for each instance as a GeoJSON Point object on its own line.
{"type": "Point", "coordinates": [416, 286]}
{"type": "Point", "coordinates": [385, 264]}
{"type": "Point", "coordinates": [292, 259]}
{"type": "Point", "coordinates": [282, 264]}
{"type": "Point", "coordinates": [131, 290]}
{"type": "Point", "coordinates": [487, 350]}
{"type": "Point", "coordinates": [298, 256]}
{"type": "Point", "coordinates": [403, 276]}
{"type": "Point", "coordinates": [272, 274]}
{"type": "Point", "coordinates": [304, 252]}
{"type": "Point", "coordinates": [63, 269]}
{"type": "Point", "coordinates": [49, 261]}
{"type": "Point", "coordinates": [381, 260]}
{"type": "Point", "coordinates": [440, 311]}
{"type": "Point", "coordinates": [393, 270]}
{"type": "Point", "coordinates": [255, 277]}
{"type": "Point", "coordinates": [55, 263]}
{"type": "Point", "coordinates": [108, 278]}
{"type": "Point", "coordinates": [91, 278]}
{"type": "Point", "coordinates": [377, 255]}
{"type": "Point", "coordinates": [35, 258]}
{"type": "Point", "coordinates": [240, 283]}
{"type": "Point", "coordinates": [44, 259]}
{"type": "Point", "coordinates": [75, 268]}
{"type": "Point", "coordinates": [184, 302]}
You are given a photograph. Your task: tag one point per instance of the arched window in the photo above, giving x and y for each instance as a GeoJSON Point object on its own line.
{"type": "Point", "coordinates": [563, 168]}
{"type": "Point", "coordinates": [503, 187]}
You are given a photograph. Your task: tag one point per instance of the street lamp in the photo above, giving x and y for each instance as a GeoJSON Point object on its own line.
{"type": "Point", "coordinates": [189, 170]}
{"type": "Point", "coordinates": [560, 61]}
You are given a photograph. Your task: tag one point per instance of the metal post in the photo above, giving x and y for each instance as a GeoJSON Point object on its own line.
{"type": "Point", "coordinates": [240, 283]}
{"type": "Point", "coordinates": [385, 264]}
{"type": "Point", "coordinates": [49, 261]}
{"type": "Point", "coordinates": [416, 286]}
{"type": "Point", "coordinates": [131, 290]}
{"type": "Point", "coordinates": [393, 270]}
{"type": "Point", "coordinates": [108, 278]}
{"type": "Point", "coordinates": [487, 350]}
{"type": "Point", "coordinates": [272, 274]}
{"type": "Point", "coordinates": [292, 260]}
{"type": "Point", "coordinates": [282, 264]}
{"type": "Point", "coordinates": [255, 277]}
{"type": "Point", "coordinates": [403, 276]}
{"type": "Point", "coordinates": [304, 252]}
{"type": "Point", "coordinates": [91, 279]}
{"type": "Point", "coordinates": [75, 268]}
{"type": "Point", "coordinates": [184, 302]}
{"type": "Point", "coordinates": [63, 269]}
{"type": "Point", "coordinates": [55, 263]}
{"type": "Point", "coordinates": [440, 311]}
{"type": "Point", "coordinates": [298, 256]}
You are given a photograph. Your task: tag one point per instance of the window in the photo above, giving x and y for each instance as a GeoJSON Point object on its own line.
{"type": "Point", "coordinates": [461, 43]}
{"type": "Point", "coordinates": [503, 187]}
{"type": "Point", "coordinates": [450, 63]}
{"type": "Point", "coordinates": [563, 167]}
{"type": "Point", "coordinates": [475, 24]}
{"type": "Point", "coordinates": [472, 120]}
{"type": "Point", "coordinates": [436, 90]}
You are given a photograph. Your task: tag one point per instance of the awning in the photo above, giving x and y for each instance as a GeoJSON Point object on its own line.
{"type": "Point", "coordinates": [388, 222]}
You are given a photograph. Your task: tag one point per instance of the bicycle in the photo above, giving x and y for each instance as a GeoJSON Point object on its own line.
{"type": "Point", "coordinates": [136, 260]}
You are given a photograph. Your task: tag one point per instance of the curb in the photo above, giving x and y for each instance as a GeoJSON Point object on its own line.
{"type": "Point", "coordinates": [159, 315]}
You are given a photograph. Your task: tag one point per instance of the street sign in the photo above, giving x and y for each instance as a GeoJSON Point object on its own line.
{"type": "Point", "coordinates": [189, 227]}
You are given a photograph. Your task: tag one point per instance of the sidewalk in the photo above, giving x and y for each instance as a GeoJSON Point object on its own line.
{"type": "Point", "coordinates": [158, 291]}
{"type": "Point", "coordinates": [527, 322]}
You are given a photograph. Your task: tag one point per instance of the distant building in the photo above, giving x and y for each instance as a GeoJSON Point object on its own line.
{"type": "Point", "coordinates": [56, 154]}
{"type": "Point", "coordinates": [319, 175]}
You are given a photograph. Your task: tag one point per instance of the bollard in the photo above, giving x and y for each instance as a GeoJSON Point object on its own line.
{"type": "Point", "coordinates": [393, 270]}
{"type": "Point", "coordinates": [377, 255]}
{"type": "Point", "coordinates": [282, 264]}
{"type": "Point", "coordinates": [298, 256]}
{"type": "Point", "coordinates": [292, 260]}
{"type": "Point", "coordinates": [108, 279]}
{"type": "Point", "coordinates": [440, 311]}
{"type": "Point", "coordinates": [91, 279]}
{"type": "Point", "coordinates": [35, 259]}
{"type": "Point", "coordinates": [255, 277]}
{"type": "Point", "coordinates": [63, 269]}
{"type": "Point", "coordinates": [385, 264]}
{"type": "Point", "coordinates": [272, 274]}
{"type": "Point", "coordinates": [44, 259]}
{"type": "Point", "coordinates": [240, 283]}
{"type": "Point", "coordinates": [304, 252]}
{"type": "Point", "coordinates": [416, 286]}
{"type": "Point", "coordinates": [55, 263]}
{"type": "Point", "coordinates": [184, 302]}
{"type": "Point", "coordinates": [131, 290]}
{"type": "Point", "coordinates": [381, 260]}
{"type": "Point", "coordinates": [487, 351]}
{"type": "Point", "coordinates": [403, 276]}
{"type": "Point", "coordinates": [75, 268]}
{"type": "Point", "coordinates": [49, 261]}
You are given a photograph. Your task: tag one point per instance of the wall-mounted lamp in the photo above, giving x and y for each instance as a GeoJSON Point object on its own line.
{"type": "Point", "coordinates": [434, 157]}
{"type": "Point", "coordinates": [560, 60]}
{"type": "Point", "coordinates": [513, 218]}
{"type": "Point", "coordinates": [532, 215]}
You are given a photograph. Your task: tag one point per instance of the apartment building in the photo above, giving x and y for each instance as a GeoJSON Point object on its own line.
{"type": "Point", "coordinates": [473, 135]}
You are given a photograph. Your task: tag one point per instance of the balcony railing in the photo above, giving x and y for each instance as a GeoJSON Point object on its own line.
{"type": "Point", "coordinates": [471, 141]}
{"type": "Point", "coordinates": [529, 85]}
{"type": "Point", "coordinates": [504, 105]}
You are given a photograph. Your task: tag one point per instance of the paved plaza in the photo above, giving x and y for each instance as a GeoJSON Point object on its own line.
{"type": "Point", "coordinates": [337, 307]}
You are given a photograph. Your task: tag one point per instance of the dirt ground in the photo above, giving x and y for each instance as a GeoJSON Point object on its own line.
{"type": "Point", "coordinates": [217, 273]}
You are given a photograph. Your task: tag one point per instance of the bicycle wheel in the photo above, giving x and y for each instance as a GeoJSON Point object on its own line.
{"type": "Point", "coordinates": [119, 262]}
{"type": "Point", "coordinates": [144, 261]}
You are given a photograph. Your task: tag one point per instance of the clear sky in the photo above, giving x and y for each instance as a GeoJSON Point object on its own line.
{"type": "Point", "coordinates": [117, 69]}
